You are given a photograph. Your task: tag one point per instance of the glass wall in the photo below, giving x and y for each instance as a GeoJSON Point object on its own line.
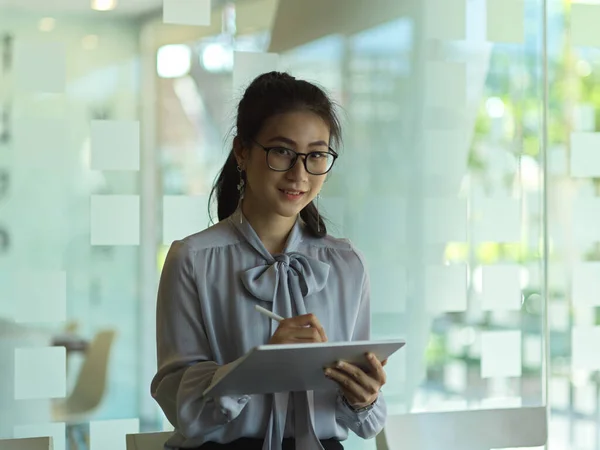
{"type": "Point", "coordinates": [467, 177]}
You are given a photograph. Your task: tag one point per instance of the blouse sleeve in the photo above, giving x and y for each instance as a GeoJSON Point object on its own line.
{"type": "Point", "coordinates": [185, 363]}
{"type": "Point", "coordinates": [366, 423]}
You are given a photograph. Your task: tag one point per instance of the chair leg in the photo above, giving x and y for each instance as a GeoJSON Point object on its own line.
{"type": "Point", "coordinates": [72, 445]}
{"type": "Point", "coordinates": [381, 441]}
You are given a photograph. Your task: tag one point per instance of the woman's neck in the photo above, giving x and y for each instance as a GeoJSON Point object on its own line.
{"type": "Point", "coordinates": [272, 229]}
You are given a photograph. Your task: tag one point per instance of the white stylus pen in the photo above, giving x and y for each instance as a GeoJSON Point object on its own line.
{"type": "Point", "coordinates": [268, 313]}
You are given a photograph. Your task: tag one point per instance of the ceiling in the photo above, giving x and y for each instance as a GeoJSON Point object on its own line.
{"type": "Point", "coordinates": [124, 7]}
{"type": "Point", "coordinates": [327, 17]}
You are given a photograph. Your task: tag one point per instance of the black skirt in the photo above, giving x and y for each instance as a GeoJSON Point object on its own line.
{"type": "Point", "coordinates": [256, 444]}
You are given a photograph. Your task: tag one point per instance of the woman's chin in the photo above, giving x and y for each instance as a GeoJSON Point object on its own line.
{"type": "Point", "coordinates": [289, 211]}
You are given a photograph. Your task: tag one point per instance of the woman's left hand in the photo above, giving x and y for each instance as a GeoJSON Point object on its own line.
{"type": "Point", "coordinates": [361, 388]}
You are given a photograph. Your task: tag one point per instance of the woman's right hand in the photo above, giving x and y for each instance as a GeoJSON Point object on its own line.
{"type": "Point", "coordinates": [299, 330]}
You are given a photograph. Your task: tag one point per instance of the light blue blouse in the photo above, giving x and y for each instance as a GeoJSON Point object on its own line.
{"type": "Point", "coordinates": [206, 319]}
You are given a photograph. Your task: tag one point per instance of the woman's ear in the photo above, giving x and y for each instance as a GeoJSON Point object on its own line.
{"type": "Point", "coordinates": [240, 152]}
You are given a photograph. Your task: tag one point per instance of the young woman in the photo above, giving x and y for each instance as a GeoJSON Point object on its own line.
{"type": "Point", "coordinates": [270, 248]}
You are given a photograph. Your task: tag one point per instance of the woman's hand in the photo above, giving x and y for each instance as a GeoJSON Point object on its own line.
{"type": "Point", "coordinates": [360, 388]}
{"type": "Point", "coordinates": [299, 330]}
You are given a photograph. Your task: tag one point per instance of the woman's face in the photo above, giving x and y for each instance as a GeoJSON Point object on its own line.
{"type": "Point", "coordinates": [283, 193]}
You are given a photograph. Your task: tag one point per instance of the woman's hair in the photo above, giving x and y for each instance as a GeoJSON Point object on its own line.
{"type": "Point", "coordinates": [268, 95]}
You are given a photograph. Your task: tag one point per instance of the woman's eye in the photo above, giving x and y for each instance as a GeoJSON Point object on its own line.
{"type": "Point", "coordinates": [281, 151]}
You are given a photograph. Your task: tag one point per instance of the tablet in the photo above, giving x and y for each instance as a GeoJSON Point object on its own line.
{"type": "Point", "coordinates": [294, 367]}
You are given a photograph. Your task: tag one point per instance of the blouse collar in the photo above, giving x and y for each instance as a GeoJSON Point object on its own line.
{"type": "Point", "coordinates": [296, 236]}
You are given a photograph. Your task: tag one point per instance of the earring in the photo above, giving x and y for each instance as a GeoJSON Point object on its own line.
{"type": "Point", "coordinates": [318, 214]}
{"type": "Point", "coordinates": [241, 187]}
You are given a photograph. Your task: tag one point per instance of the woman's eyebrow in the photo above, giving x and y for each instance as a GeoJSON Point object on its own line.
{"type": "Point", "coordinates": [293, 143]}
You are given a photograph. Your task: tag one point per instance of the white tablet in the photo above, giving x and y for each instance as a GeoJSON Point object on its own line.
{"type": "Point", "coordinates": [294, 367]}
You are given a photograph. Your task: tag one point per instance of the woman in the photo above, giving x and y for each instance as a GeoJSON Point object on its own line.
{"type": "Point", "coordinates": [270, 248]}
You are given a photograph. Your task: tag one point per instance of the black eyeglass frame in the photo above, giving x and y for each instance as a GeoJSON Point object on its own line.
{"type": "Point", "coordinates": [297, 155]}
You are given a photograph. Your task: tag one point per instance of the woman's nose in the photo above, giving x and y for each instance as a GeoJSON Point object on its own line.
{"type": "Point", "coordinates": [298, 170]}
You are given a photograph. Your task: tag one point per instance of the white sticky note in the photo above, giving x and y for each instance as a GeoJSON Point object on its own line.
{"type": "Point", "coordinates": [457, 338]}
{"type": "Point", "coordinates": [57, 431]}
{"type": "Point", "coordinates": [111, 434]}
{"type": "Point", "coordinates": [187, 12]}
{"type": "Point", "coordinates": [585, 220]}
{"type": "Point", "coordinates": [557, 279]}
{"type": "Point", "coordinates": [40, 373]}
{"type": "Point", "coordinates": [446, 85]}
{"type": "Point", "coordinates": [501, 403]}
{"type": "Point", "coordinates": [40, 143]}
{"type": "Point", "coordinates": [388, 288]}
{"type": "Point", "coordinates": [521, 448]}
{"type": "Point", "coordinates": [115, 220]}
{"type": "Point", "coordinates": [502, 319]}
{"type": "Point", "coordinates": [500, 354]}
{"type": "Point", "coordinates": [584, 316]}
{"type": "Point", "coordinates": [249, 65]}
{"type": "Point", "coordinates": [456, 376]}
{"type": "Point", "coordinates": [501, 288]}
{"type": "Point", "coordinates": [586, 284]}
{"type": "Point", "coordinates": [506, 21]}
{"type": "Point", "coordinates": [443, 405]}
{"type": "Point", "coordinates": [585, 434]}
{"type": "Point", "coordinates": [532, 350]}
{"type": "Point", "coordinates": [40, 66]}
{"type": "Point", "coordinates": [584, 117]}
{"type": "Point", "coordinates": [531, 274]}
{"type": "Point", "coordinates": [559, 430]}
{"type": "Point", "coordinates": [445, 220]}
{"type": "Point", "coordinates": [584, 347]}
{"type": "Point", "coordinates": [115, 145]}
{"type": "Point", "coordinates": [558, 163]}
{"type": "Point", "coordinates": [497, 220]}
{"type": "Point", "coordinates": [446, 19]}
{"type": "Point", "coordinates": [446, 288]}
{"type": "Point", "coordinates": [585, 155]}
{"type": "Point", "coordinates": [499, 388]}
{"type": "Point", "coordinates": [184, 215]}
{"type": "Point", "coordinates": [560, 389]}
{"type": "Point", "coordinates": [41, 297]}
{"type": "Point", "coordinates": [445, 153]}
{"type": "Point", "coordinates": [584, 24]}
{"type": "Point", "coordinates": [585, 399]}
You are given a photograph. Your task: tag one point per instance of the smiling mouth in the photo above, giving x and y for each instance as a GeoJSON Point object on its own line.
{"type": "Point", "coordinates": [291, 195]}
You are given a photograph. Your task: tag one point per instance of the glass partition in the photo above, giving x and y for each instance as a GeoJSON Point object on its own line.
{"type": "Point", "coordinates": [467, 177]}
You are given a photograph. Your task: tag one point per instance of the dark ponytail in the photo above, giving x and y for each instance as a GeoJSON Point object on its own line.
{"type": "Point", "coordinates": [270, 94]}
{"type": "Point", "coordinates": [225, 188]}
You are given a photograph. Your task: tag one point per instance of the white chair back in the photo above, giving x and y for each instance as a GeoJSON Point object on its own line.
{"type": "Point", "coordinates": [147, 441]}
{"type": "Point", "coordinates": [38, 443]}
{"type": "Point", "coordinates": [466, 430]}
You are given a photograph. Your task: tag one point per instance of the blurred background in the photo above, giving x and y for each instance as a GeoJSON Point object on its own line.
{"type": "Point", "coordinates": [469, 177]}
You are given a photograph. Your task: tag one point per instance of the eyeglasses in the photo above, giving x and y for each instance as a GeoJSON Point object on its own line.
{"type": "Point", "coordinates": [281, 159]}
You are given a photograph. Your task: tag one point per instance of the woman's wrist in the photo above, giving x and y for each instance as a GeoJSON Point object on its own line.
{"type": "Point", "coordinates": [358, 408]}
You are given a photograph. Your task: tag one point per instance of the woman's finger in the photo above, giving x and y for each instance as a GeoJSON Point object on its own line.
{"type": "Point", "coordinates": [309, 320]}
{"type": "Point", "coordinates": [361, 378]}
{"type": "Point", "coordinates": [377, 368]}
{"type": "Point", "coordinates": [352, 390]}
{"type": "Point", "coordinates": [299, 335]}
{"type": "Point", "coordinates": [306, 335]}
